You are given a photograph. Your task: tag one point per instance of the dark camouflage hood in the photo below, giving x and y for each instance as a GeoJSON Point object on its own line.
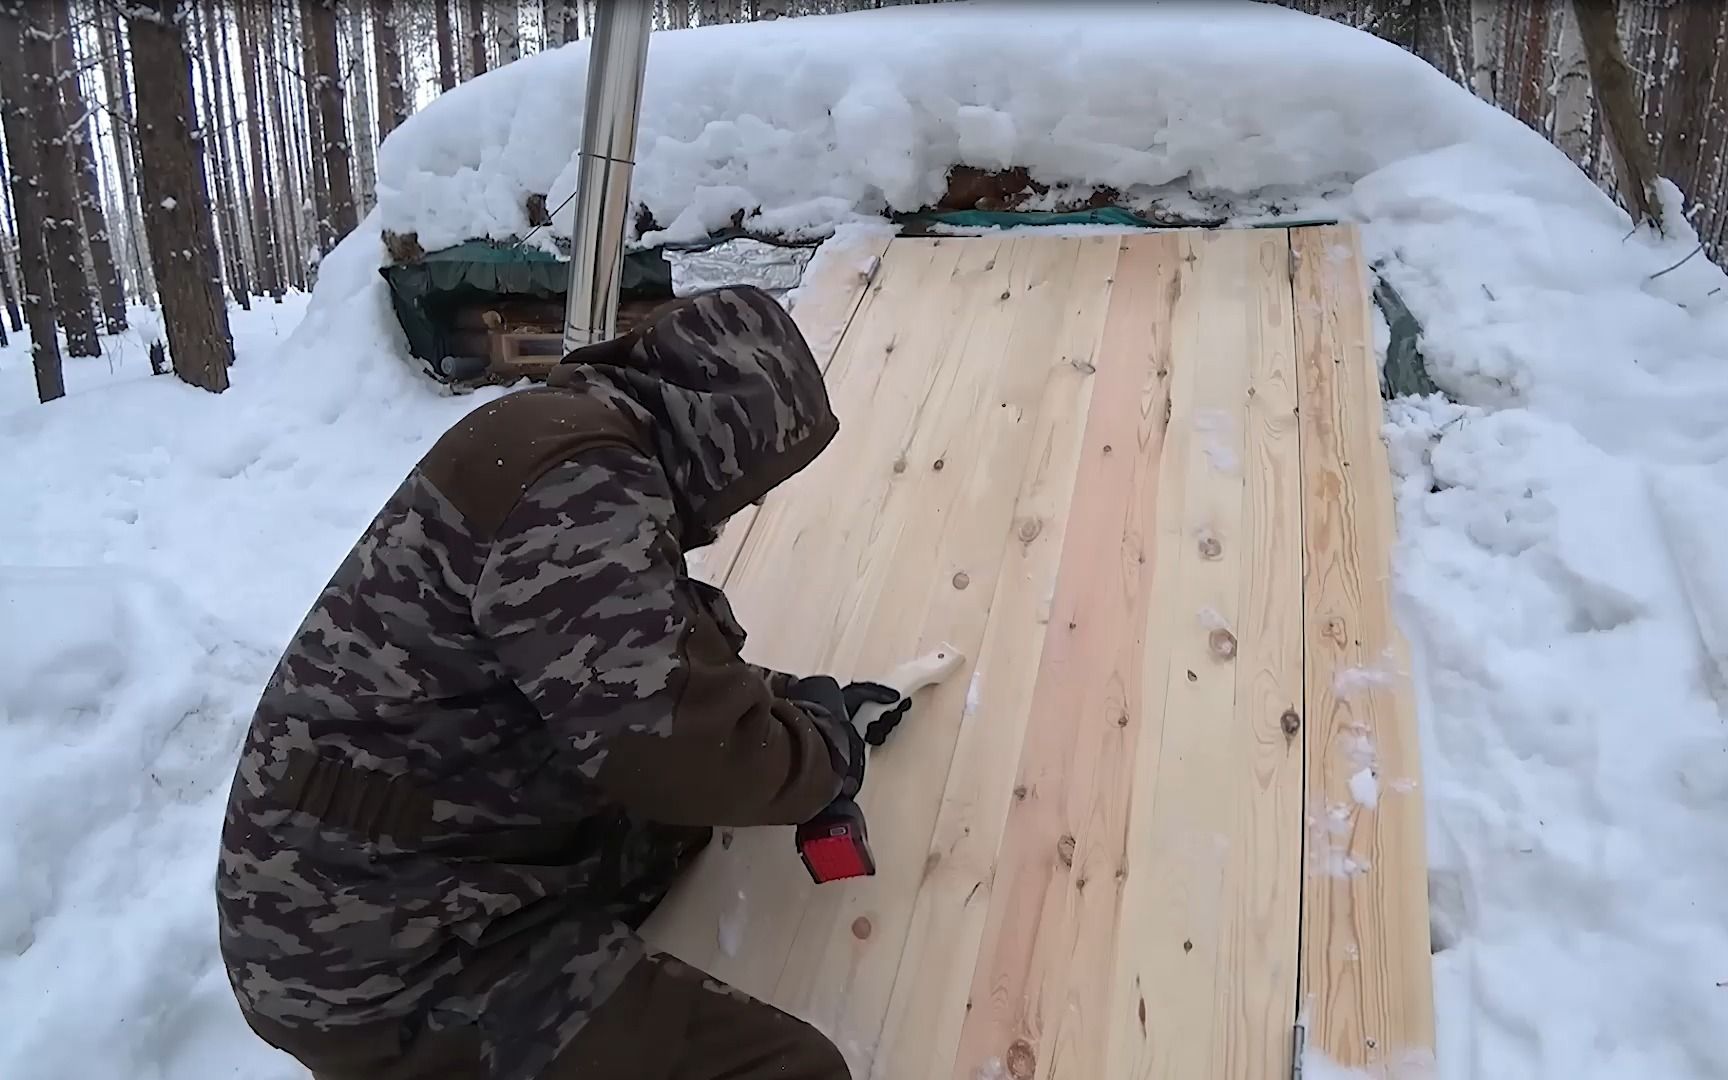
{"type": "Point", "coordinates": [735, 398]}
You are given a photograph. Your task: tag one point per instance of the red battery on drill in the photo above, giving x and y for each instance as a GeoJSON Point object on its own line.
{"type": "Point", "coordinates": [835, 845]}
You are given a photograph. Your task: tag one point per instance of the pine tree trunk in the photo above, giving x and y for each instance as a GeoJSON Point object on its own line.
{"type": "Point", "coordinates": [1687, 110]}
{"type": "Point", "coordinates": [1611, 78]}
{"type": "Point", "coordinates": [552, 23]}
{"type": "Point", "coordinates": [270, 273]}
{"type": "Point", "coordinates": [312, 121]}
{"type": "Point", "coordinates": [327, 90]}
{"type": "Point", "coordinates": [364, 134]}
{"type": "Point", "coordinates": [176, 196]}
{"type": "Point", "coordinates": [72, 301]}
{"type": "Point", "coordinates": [116, 80]}
{"type": "Point", "coordinates": [238, 183]}
{"type": "Point", "coordinates": [507, 19]}
{"type": "Point", "coordinates": [387, 58]}
{"type": "Point", "coordinates": [210, 138]}
{"type": "Point", "coordinates": [446, 48]}
{"type": "Point", "coordinates": [9, 276]}
{"type": "Point", "coordinates": [678, 14]}
{"type": "Point", "coordinates": [284, 165]}
{"type": "Point", "coordinates": [1572, 91]}
{"type": "Point", "coordinates": [78, 133]}
{"type": "Point", "coordinates": [476, 37]}
{"type": "Point", "coordinates": [16, 101]}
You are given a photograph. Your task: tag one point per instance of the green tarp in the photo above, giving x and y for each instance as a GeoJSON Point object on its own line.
{"type": "Point", "coordinates": [426, 292]}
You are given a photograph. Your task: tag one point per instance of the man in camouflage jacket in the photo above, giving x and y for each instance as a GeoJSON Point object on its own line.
{"type": "Point", "coordinates": [511, 717]}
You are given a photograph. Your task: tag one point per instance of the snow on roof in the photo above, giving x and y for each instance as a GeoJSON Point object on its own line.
{"type": "Point", "coordinates": [800, 123]}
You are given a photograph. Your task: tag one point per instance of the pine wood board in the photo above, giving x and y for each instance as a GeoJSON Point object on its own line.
{"type": "Point", "coordinates": [1078, 460]}
{"type": "Point", "coordinates": [1366, 993]}
{"type": "Point", "coordinates": [928, 1001]}
{"type": "Point", "coordinates": [832, 293]}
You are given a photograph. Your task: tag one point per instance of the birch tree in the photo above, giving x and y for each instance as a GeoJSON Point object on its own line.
{"type": "Point", "coordinates": [1572, 90]}
{"type": "Point", "coordinates": [1482, 48]}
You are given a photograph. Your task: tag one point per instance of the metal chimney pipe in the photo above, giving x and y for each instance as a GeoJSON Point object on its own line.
{"type": "Point", "coordinates": [617, 57]}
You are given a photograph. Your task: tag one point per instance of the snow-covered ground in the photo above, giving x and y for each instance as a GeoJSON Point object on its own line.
{"type": "Point", "coordinates": [1560, 561]}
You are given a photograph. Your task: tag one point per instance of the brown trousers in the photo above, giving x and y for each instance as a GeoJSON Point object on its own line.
{"type": "Point", "coordinates": [668, 1021]}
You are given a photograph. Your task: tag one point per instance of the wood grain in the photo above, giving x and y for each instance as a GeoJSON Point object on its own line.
{"type": "Point", "coordinates": [952, 892]}
{"type": "Point", "coordinates": [1366, 987]}
{"type": "Point", "coordinates": [1063, 834]}
{"type": "Point", "coordinates": [1206, 965]}
{"type": "Point", "coordinates": [832, 293]}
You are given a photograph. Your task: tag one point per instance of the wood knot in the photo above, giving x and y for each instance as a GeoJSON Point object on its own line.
{"type": "Point", "coordinates": [1193, 677]}
{"type": "Point", "coordinates": [1210, 548]}
{"type": "Point", "coordinates": [1029, 530]}
{"type": "Point", "coordinates": [861, 928]}
{"type": "Point", "coordinates": [725, 839]}
{"type": "Point", "coordinates": [1065, 850]}
{"type": "Point", "coordinates": [1006, 294]}
{"type": "Point", "coordinates": [1021, 1060]}
{"type": "Point", "coordinates": [1187, 946]}
{"type": "Point", "coordinates": [1085, 366]}
{"type": "Point", "coordinates": [1122, 720]}
{"type": "Point", "coordinates": [1019, 791]}
{"type": "Point", "coordinates": [899, 466]}
{"type": "Point", "coordinates": [1223, 644]}
{"type": "Point", "coordinates": [940, 464]}
{"type": "Point", "coordinates": [1108, 448]}
{"type": "Point", "coordinates": [1290, 722]}
{"type": "Point", "coordinates": [962, 579]}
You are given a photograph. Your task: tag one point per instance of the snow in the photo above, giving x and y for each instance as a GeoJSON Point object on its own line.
{"type": "Point", "coordinates": [1559, 567]}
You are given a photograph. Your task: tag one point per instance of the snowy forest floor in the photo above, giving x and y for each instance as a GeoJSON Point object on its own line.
{"type": "Point", "coordinates": [1559, 565]}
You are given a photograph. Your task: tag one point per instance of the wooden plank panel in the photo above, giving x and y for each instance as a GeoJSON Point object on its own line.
{"type": "Point", "coordinates": [790, 589]}
{"type": "Point", "coordinates": [847, 954]}
{"type": "Point", "coordinates": [1206, 966]}
{"type": "Point", "coordinates": [927, 1002]}
{"type": "Point", "coordinates": [807, 569]}
{"type": "Point", "coordinates": [1366, 987]}
{"type": "Point", "coordinates": [1085, 700]}
{"type": "Point", "coordinates": [831, 294]}
{"type": "Point", "coordinates": [935, 585]}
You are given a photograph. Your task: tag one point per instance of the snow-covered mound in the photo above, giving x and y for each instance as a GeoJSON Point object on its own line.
{"type": "Point", "coordinates": [1560, 561]}
{"type": "Point", "coordinates": [799, 123]}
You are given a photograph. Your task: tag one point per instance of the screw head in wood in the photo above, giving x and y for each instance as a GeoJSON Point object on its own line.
{"type": "Point", "coordinates": [962, 579]}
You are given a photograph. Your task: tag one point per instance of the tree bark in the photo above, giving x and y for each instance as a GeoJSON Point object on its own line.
{"type": "Point", "coordinates": [176, 194]}
{"type": "Point", "coordinates": [16, 99]}
{"type": "Point", "coordinates": [446, 48]}
{"type": "Point", "coordinates": [476, 37]}
{"type": "Point", "coordinates": [507, 24]}
{"type": "Point", "coordinates": [78, 132]}
{"type": "Point", "coordinates": [270, 270]}
{"type": "Point", "coordinates": [235, 150]}
{"type": "Point", "coordinates": [116, 79]}
{"type": "Point", "coordinates": [327, 87]}
{"type": "Point", "coordinates": [210, 138]}
{"type": "Point", "coordinates": [286, 206]}
{"type": "Point", "coordinates": [1572, 91]}
{"type": "Point", "coordinates": [1634, 162]}
{"type": "Point", "coordinates": [72, 300]}
{"type": "Point", "coordinates": [387, 58]}
{"type": "Point", "coordinates": [358, 94]}
{"type": "Point", "coordinates": [9, 277]}
{"type": "Point", "coordinates": [1687, 109]}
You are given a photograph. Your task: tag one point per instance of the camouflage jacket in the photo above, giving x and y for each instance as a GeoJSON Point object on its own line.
{"type": "Point", "coordinates": [510, 698]}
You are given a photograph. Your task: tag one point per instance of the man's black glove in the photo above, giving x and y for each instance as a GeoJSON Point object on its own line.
{"type": "Point", "coordinates": [858, 694]}
{"type": "Point", "coordinates": [846, 745]}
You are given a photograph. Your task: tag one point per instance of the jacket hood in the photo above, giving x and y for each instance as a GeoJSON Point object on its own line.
{"type": "Point", "coordinates": [733, 395]}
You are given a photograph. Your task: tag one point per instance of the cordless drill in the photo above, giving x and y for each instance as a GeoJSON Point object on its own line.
{"type": "Point", "coordinates": [835, 845]}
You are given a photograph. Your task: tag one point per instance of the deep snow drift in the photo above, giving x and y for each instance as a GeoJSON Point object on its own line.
{"type": "Point", "coordinates": [1559, 564]}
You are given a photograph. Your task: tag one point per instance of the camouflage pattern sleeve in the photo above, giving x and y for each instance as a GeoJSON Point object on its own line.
{"type": "Point", "coordinates": [584, 600]}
